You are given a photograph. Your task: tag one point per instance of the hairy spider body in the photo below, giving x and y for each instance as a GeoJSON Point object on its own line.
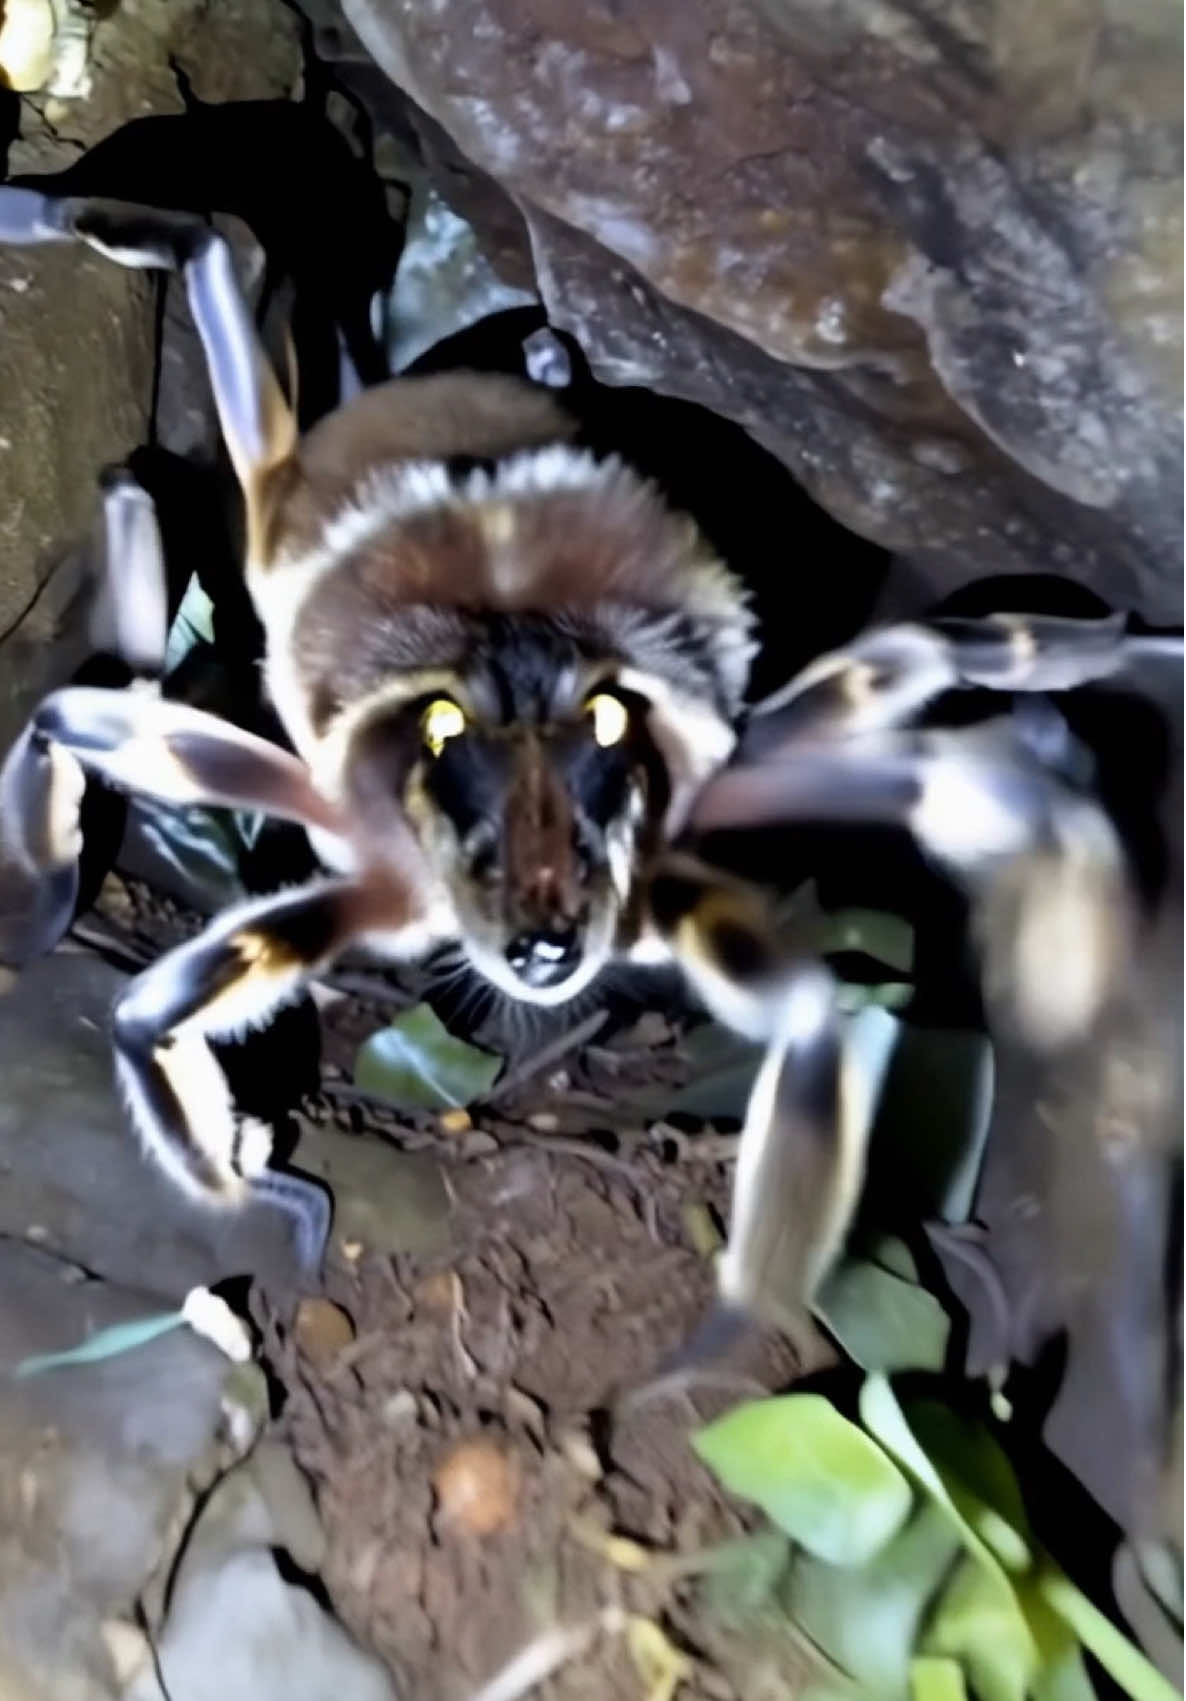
{"type": "Point", "coordinates": [512, 677]}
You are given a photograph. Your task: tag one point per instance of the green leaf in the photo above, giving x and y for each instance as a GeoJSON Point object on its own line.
{"type": "Point", "coordinates": [806, 927]}
{"type": "Point", "coordinates": [890, 1253]}
{"type": "Point", "coordinates": [744, 1574]}
{"type": "Point", "coordinates": [192, 624]}
{"type": "Point", "coordinates": [866, 1618]}
{"type": "Point", "coordinates": [815, 1474]}
{"type": "Point", "coordinates": [979, 1617]}
{"type": "Point", "coordinates": [723, 1071]}
{"type": "Point", "coordinates": [874, 933]}
{"type": "Point", "coordinates": [854, 995]}
{"type": "Point", "coordinates": [981, 1624]}
{"type": "Point", "coordinates": [1062, 1675]}
{"type": "Point", "coordinates": [936, 1680]}
{"type": "Point", "coordinates": [978, 1477]}
{"type": "Point", "coordinates": [202, 847]}
{"type": "Point", "coordinates": [416, 1062]}
{"type": "Point", "coordinates": [104, 1343]}
{"type": "Point", "coordinates": [881, 1321]}
{"type": "Point", "coordinates": [1136, 1675]}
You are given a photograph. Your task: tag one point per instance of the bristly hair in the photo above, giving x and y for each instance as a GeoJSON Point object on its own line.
{"type": "Point", "coordinates": [415, 556]}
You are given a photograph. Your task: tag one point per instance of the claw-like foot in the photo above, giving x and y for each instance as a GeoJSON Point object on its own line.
{"type": "Point", "coordinates": [308, 1206]}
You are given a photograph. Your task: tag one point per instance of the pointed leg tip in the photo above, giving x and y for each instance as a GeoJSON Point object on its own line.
{"type": "Point", "coordinates": [308, 1206]}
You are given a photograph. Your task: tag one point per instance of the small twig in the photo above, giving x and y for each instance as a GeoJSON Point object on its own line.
{"type": "Point", "coordinates": [554, 1648]}
{"type": "Point", "coordinates": [350, 1094]}
{"type": "Point", "coordinates": [356, 983]}
{"type": "Point", "coordinates": [560, 1147]}
{"type": "Point", "coordinates": [549, 1054]}
{"type": "Point", "coordinates": [99, 934]}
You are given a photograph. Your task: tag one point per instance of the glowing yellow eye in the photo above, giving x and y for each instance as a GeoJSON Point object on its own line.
{"type": "Point", "coordinates": [441, 721]}
{"type": "Point", "coordinates": [610, 719]}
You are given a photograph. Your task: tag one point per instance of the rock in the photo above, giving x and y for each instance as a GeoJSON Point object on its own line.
{"type": "Point", "coordinates": [142, 57]}
{"type": "Point", "coordinates": [75, 387]}
{"type": "Point", "coordinates": [389, 1200]}
{"type": "Point", "coordinates": [76, 331]}
{"type": "Point", "coordinates": [323, 1331]}
{"type": "Point", "coordinates": [234, 1629]}
{"type": "Point", "coordinates": [239, 1632]}
{"type": "Point", "coordinates": [95, 1460]}
{"type": "Point", "coordinates": [934, 266]}
{"type": "Point", "coordinates": [477, 1487]}
{"type": "Point", "coordinates": [73, 1173]}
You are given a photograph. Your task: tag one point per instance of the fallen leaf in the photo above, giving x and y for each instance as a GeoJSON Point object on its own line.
{"type": "Point", "coordinates": [416, 1062]}
{"type": "Point", "coordinates": [819, 1477]}
{"type": "Point", "coordinates": [882, 1321]}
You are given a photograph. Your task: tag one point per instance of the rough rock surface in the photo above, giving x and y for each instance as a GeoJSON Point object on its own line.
{"type": "Point", "coordinates": [75, 1181]}
{"type": "Point", "coordinates": [65, 313]}
{"type": "Point", "coordinates": [95, 1461]}
{"type": "Point", "coordinates": [62, 314]}
{"type": "Point", "coordinates": [931, 257]}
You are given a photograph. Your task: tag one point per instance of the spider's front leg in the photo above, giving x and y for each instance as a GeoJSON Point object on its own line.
{"type": "Point", "coordinates": [882, 680]}
{"type": "Point", "coordinates": [258, 425]}
{"type": "Point", "coordinates": [248, 963]}
{"type": "Point", "coordinates": [1003, 808]}
{"type": "Point", "coordinates": [802, 1151]}
{"type": "Point", "coordinates": [141, 743]}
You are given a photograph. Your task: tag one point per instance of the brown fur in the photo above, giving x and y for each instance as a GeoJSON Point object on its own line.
{"type": "Point", "coordinates": [407, 419]}
{"type": "Point", "coordinates": [585, 554]}
{"type": "Point", "coordinates": [544, 884]}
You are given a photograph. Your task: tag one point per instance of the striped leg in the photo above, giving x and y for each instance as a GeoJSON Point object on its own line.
{"type": "Point", "coordinates": [801, 1159]}
{"type": "Point", "coordinates": [141, 743]}
{"type": "Point", "coordinates": [257, 424]}
{"type": "Point", "coordinates": [247, 964]}
{"type": "Point", "coordinates": [887, 677]}
{"type": "Point", "coordinates": [1042, 862]}
{"type": "Point", "coordinates": [41, 785]}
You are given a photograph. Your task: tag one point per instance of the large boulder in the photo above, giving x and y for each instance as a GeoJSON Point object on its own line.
{"type": "Point", "coordinates": [931, 259]}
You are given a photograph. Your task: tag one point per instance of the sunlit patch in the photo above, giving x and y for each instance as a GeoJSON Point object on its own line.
{"type": "Point", "coordinates": [610, 718]}
{"type": "Point", "coordinates": [441, 721]}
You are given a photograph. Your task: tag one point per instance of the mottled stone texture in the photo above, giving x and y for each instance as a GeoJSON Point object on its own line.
{"type": "Point", "coordinates": [927, 252]}
{"type": "Point", "coordinates": [77, 333]}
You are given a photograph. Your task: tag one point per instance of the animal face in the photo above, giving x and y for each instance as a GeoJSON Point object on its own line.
{"type": "Point", "coordinates": [532, 781]}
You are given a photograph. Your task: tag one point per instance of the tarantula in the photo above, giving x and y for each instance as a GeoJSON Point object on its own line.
{"type": "Point", "coordinates": [514, 683]}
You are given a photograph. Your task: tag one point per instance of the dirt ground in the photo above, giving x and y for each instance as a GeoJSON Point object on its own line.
{"type": "Point", "coordinates": [577, 1261]}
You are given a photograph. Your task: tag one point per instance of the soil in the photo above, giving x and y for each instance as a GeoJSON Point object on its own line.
{"type": "Point", "coordinates": [577, 1263]}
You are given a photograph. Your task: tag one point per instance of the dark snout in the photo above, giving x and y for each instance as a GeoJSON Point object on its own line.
{"type": "Point", "coordinates": [546, 907]}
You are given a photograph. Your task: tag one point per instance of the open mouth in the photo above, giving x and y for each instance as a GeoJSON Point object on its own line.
{"type": "Point", "coordinates": [546, 958]}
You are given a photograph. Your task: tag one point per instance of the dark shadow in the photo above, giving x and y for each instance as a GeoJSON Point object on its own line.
{"type": "Point", "coordinates": [10, 124]}
{"type": "Point", "coordinates": [317, 210]}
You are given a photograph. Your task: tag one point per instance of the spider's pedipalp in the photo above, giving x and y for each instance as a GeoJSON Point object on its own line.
{"type": "Point", "coordinates": [801, 1158]}
{"type": "Point", "coordinates": [248, 963]}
